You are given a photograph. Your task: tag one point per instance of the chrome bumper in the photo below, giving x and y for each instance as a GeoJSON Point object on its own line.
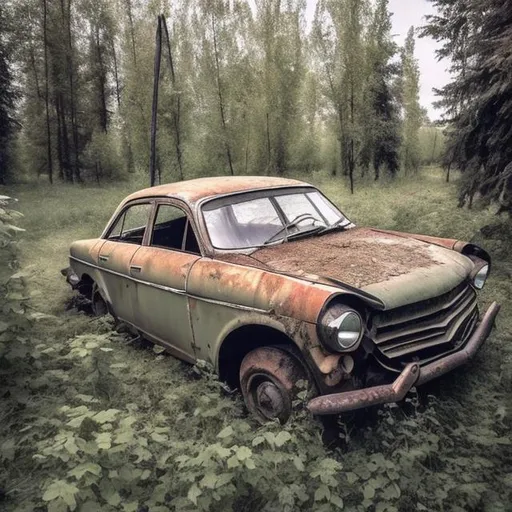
{"type": "Point", "coordinates": [412, 375]}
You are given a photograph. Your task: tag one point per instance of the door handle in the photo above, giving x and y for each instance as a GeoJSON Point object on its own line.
{"type": "Point", "coordinates": [135, 268]}
{"type": "Point", "coordinates": [103, 258]}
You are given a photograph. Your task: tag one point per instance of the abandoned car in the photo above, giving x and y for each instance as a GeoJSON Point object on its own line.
{"type": "Point", "coordinates": [270, 282]}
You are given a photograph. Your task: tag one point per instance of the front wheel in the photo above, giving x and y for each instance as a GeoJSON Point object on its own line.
{"type": "Point", "coordinates": [268, 380]}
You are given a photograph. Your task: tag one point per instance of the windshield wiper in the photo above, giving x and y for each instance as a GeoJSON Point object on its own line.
{"type": "Point", "coordinates": [312, 231]}
{"type": "Point", "coordinates": [337, 224]}
{"type": "Point", "coordinates": [298, 234]}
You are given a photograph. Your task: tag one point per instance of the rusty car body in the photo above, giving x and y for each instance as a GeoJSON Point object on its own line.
{"type": "Point", "coordinates": [270, 282]}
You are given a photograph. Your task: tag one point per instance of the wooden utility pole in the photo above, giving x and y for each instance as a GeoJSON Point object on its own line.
{"type": "Point", "coordinates": [154, 107]}
{"type": "Point", "coordinates": [176, 101]}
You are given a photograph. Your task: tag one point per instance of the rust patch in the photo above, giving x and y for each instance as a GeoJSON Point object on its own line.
{"type": "Point", "coordinates": [360, 398]}
{"type": "Point", "coordinates": [358, 257]}
{"type": "Point", "coordinates": [164, 267]}
{"type": "Point", "coordinates": [253, 287]}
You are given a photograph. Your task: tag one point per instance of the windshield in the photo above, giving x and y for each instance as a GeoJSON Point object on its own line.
{"type": "Point", "coordinates": [260, 218]}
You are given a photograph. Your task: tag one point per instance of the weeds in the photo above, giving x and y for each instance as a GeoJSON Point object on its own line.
{"type": "Point", "coordinates": [93, 420]}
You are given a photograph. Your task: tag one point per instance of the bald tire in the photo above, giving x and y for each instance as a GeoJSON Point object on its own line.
{"type": "Point", "coordinates": [268, 378]}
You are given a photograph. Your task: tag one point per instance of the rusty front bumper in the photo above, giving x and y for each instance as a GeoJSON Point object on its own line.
{"type": "Point", "coordinates": [412, 375]}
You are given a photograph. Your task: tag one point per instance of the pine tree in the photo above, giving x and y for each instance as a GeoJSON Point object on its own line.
{"type": "Point", "coordinates": [453, 26]}
{"type": "Point", "coordinates": [381, 123]}
{"type": "Point", "coordinates": [479, 100]}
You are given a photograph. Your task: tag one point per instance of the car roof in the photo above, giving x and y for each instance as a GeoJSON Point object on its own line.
{"type": "Point", "coordinates": [192, 191]}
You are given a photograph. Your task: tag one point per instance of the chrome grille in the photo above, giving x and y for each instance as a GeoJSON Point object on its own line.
{"type": "Point", "coordinates": [426, 330]}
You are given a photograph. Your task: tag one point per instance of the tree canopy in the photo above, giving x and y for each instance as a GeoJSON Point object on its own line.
{"type": "Point", "coordinates": [244, 88]}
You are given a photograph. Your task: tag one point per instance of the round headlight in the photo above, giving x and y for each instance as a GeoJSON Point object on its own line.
{"type": "Point", "coordinates": [481, 277]}
{"type": "Point", "coordinates": [341, 328]}
{"type": "Point", "coordinates": [350, 328]}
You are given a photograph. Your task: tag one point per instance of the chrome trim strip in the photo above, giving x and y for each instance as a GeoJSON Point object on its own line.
{"type": "Point", "coordinates": [172, 290]}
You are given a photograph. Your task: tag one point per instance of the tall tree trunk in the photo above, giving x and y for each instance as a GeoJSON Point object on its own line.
{"type": "Point", "coordinates": [101, 83]}
{"type": "Point", "coordinates": [343, 159]}
{"type": "Point", "coordinates": [269, 151]}
{"type": "Point", "coordinates": [280, 154]}
{"type": "Point", "coordinates": [65, 144]}
{"type": "Point", "coordinates": [127, 135]}
{"type": "Point", "coordinates": [74, 125]}
{"type": "Point", "coordinates": [130, 163]}
{"type": "Point", "coordinates": [221, 101]}
{"type": "Point", "coordinates": [46, 93]}
{"type": "Point", "coordinates": [434, 148]}
{"type": "Point", "coordinates": [34, 68]}
{"type": "Point", "coordinates": [132, 31]}
{"type": "Point", "coordinates": [247, 146]}
{"type": "Point", "coordinates": [351, 165]}
{"type": "Point", "coordinates": [337, 105]}
{"type": "Point", "coordinates": [59, 137]}
{"type": "Point", "coordinates": [116, 71]}
{"type": "Point", "coordinates": [351, 162]}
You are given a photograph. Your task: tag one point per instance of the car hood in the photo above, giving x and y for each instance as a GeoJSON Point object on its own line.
{"type": "Point", "coordinates": [395, 268]}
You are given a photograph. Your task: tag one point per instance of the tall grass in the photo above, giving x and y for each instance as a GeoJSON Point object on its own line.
{"type": "Point", "coordinates": [447, 451]}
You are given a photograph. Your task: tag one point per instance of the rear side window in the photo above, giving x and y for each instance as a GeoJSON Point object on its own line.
{"type": "Point", "coordinates": [172, 230]}
{"type": "Point", "coordinates": [131, 224]}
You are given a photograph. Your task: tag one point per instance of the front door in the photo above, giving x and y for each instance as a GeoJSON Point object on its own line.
{"type": "Point", "coordinates": [114, 258]}
{"type": "Point", "coordinates": [160, 271]}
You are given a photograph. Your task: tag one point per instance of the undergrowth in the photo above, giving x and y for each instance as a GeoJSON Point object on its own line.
{"type": "Point", "coordinates": [91, 419]}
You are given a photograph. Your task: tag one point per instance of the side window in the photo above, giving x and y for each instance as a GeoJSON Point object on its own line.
{"type": "Point", "coordinates": [131, 225]}
{"type": "Point", "coordinates": [172, 230]}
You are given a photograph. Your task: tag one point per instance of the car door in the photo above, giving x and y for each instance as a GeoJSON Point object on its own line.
{"type": "Point", "coordinates": [123, 240]}
{"type": "Point", "coordinates": [161, 268]}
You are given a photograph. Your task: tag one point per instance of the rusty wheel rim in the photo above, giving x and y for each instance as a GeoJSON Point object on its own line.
{"type": "Point", "coordinates": [268, 399]}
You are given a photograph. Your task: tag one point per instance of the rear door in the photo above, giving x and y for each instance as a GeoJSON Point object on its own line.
{"type": "Point", "coordinates": [161, 269]}
{"type": "Point", "coordinates": [124, 239]}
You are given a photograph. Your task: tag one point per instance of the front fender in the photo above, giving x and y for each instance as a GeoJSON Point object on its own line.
{"type": "Point", "coordinates": [225, 296]}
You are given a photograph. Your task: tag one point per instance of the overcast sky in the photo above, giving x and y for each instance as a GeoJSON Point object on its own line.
{"type": "Point", "coordinates": [433, 73]}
